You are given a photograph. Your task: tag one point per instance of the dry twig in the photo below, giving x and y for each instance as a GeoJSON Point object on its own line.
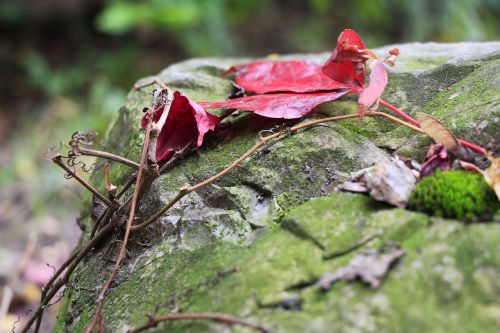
{"type": "Point", "coordinates": [217, 317]}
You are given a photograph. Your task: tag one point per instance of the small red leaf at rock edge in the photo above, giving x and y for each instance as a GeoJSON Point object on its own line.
{"type": "Point", "coordinates": [187, 121]}
{"type": "Point", "coordinates": [288, 106]}
{"type": "Point", "coordinates": [370, 95]}
{"type": "Point", "coordinates": [436, 158]}
{"type": "Point", "coordinates": [263, 77]}
{"type": "Point", "coordinates": [347, 64]}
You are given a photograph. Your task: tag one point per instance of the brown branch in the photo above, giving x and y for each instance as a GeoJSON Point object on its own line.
{"type": "Point", "coordinates": [69, 266]}
{"type": "Point", "coordinates": [108, 156]}
{"type": "Point", "coordinates": [262, 141]}
{"type": "Point", "coordinates": [147, 84]}
{"type": "Point", "coordinates": [125, 187]}
{"type": "Point", "coordinates": [8, 289]}
{"type": "Point", "coordinates": [102, 220]}
{"type": "Point", "coordinates": [217, 317]}
{"type": "Point", "coordinates": [58, 160]}
{"type": "Point", "coordinates": [98, 319]}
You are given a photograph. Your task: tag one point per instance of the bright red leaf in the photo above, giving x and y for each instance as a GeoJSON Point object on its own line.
{"type": "Point", "coordinates": [347, 64]}
{"type": "Point", "coordinates": [187, 121]}
{"type": "Point", "coordinates": [288, 106]}
{"type": "Point", "coordinates": [370, 95]}
{"type": "Point", "coordinates": [263, 77]}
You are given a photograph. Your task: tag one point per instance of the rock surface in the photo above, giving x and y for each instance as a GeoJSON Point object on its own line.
{"type": "Point", "coordinates": [256, 242]}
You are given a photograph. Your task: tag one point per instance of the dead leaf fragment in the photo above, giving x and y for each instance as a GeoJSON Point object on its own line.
{"type": "Point", "coordinates": [492, 173]}
{"type": "Point", "coordinates": [391, 182]}
{"type": "Point", "coordinates": [437, 131]}
{"type": "Point", "coordinates": [370, 267]}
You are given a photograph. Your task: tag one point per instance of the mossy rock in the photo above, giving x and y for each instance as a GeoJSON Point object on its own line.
{"type": "Point", "coordinates": [254, 243]}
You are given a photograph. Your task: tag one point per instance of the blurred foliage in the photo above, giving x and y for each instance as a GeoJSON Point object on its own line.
{"type": "Point", "coordinates": [66, 65]}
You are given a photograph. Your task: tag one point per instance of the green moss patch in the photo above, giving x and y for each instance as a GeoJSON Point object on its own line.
{"type": "Point", "coordinates": [455, 194]}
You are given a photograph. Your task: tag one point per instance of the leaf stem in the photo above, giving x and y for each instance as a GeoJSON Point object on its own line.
{"type": "Point", "coordinates": [399, 112]}
{"type": "Point", "coordinates": [465, 143]}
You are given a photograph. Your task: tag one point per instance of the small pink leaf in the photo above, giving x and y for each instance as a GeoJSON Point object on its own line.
{"type": "Point", "coordinates": [370, 95]}
{"type": "Point", "coordinates": [288, 106]}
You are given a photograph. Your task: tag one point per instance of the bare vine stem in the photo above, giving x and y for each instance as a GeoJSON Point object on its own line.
{"type": "Point", "coordinates": [108, 156]}
{"type": "Point", "coordinates": [58, 160]}
{"type": "Point", "coordinates": [217, 317]}
{"type": "Point", "coordinates": [98, 317]}
{"type": "Point", "coordinates": [8, 288]}
{"type": "Point", "coordinates": [69, 266]}
{"type": "Point", "coordinates": [262, 141]}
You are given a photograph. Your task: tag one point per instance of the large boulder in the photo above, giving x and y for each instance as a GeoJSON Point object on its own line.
{"type": "Point", "coordinates": [255, 243]}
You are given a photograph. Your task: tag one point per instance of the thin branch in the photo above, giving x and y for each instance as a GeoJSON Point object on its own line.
{"type": "Point", "coordinates": [98, 317]}
{"type": "Point", "coordinates": [125, 187]}
{"type": "Point", "coordinates": [108, 156]}
{"type": "Point", "coordinates": [102, 220]}
{"type": "Point", "coordinates": [262, 141]}
{"type": "Point", "coordinates": [185, 190]}
{"type": "Point", "coordinates": [217, 317]}
{"type": "Point", "coordinates": [70, 266]}
{"type": "Point", "coordinates": [8, 289]}
{"type": "Point", "coordinates": [58, 160]}
{"type": "Point", "coordinates": [147, 84]}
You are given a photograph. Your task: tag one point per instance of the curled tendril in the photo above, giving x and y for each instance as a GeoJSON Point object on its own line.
{"type": "Point", "coordinates": [274, 129]}
{"type": "Point", "coordinates": [76, 164]}
{"type": "Point", "coordinates": [80, 138]}
{"type": "Point", "coordinates": [13, 329]}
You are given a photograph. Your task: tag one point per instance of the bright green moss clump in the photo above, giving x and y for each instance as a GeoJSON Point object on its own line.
{"type": "Point", "coordinates": [455, 194]}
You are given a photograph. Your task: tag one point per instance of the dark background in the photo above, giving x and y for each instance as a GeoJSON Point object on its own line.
{"type": "Point", "coordinates": [66, 65]}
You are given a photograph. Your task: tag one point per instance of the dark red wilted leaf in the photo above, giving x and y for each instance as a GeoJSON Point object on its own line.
{"type": "Point", "coordinates": [347, 64]}
{"type": "Point", "coordinates": [370, 95]}
{"type": "Point", "coordinates": [186, 121]}
{"type": "Point", "coordinates": [263, 77]}
{"type": "Point", "coordinates": [288, 106]}
{"type": "Point", "coordinates": [436, 158]}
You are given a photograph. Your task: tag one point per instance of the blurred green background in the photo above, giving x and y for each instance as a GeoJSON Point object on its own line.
{"type": "Point", "coordinates": [66, 65]}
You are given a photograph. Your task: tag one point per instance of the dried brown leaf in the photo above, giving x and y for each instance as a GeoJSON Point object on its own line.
{"type": "Point", "coordinates": [492, 173]}
{"type": "Point", "coordinates": [437, 131]}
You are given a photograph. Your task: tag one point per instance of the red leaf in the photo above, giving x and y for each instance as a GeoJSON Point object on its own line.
{"type": "Point", "coordinates": [288, 106]}
{"type": "Point", "coordinates": [186, 121]}
{"type": "Point", "coordinates": [347, 64]}
{"type": "Point", "coordinates": [370, 95]}
{"type": "Point", "coordinates": [263, 77]}
{"type": "Point", "coordinates": [436, 158]}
